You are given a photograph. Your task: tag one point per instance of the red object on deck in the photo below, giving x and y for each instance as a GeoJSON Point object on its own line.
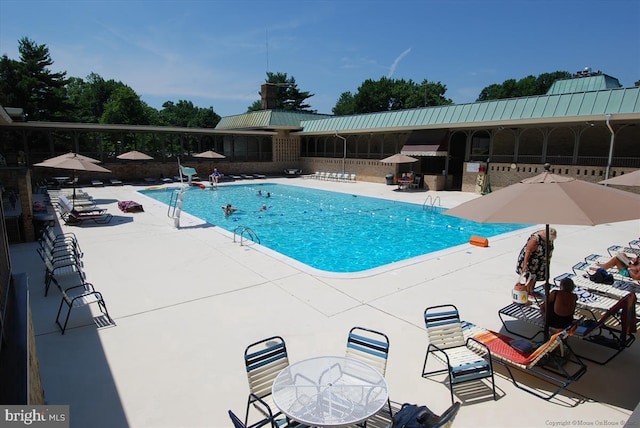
{"type": "Point", "coordinates": [479, 241]}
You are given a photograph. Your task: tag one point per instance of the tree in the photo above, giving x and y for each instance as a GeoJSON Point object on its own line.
{"type": "Point", "coordinates": [9, 79]}
{"type": "Point", "coordinates": [391, 94]}
{"type": "Point", "coordinates": [289, 97]}
{"type": "Point", "coordinates": [346, 105]}
{"type": "Point", "coordinates": [184, 113]}
{"type": "Point", "coordinates": [125, 107]}
{"type": "Point", "coordinates": [40, 92]}
{"type": "Point", "coordinates": [90, 97]}
{"type": "Point", "coordinates": [525, 87]}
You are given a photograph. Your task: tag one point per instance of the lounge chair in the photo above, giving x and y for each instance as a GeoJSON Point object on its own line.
{"type": "Point", "coordinates": [61, 267]}
{"type": "Point", "coordinates": [613, 328]}
{"type": "Point", "coordinates": [370, 347]}
{"type": "Point", "coordinates": [97, 183]}
{"type": "Point", "coordinates": [449, 346]}
{"type": "Point", "coordinates": [82, 295]}
{"type": "Point", "coordinates": [558, 368]}
{"type": "Point", "coordinates": [64, 242]}
{"type": "Point", "coordinates": [115, 182]}
{"type": "Point", "coordinates": [292, 171]}
{"type": "Point", "coordinates": [633, 251]}
{"type": "Point", "coordinates": [73, 215]}
{"type": "Point", "coordinates": [263, 360]}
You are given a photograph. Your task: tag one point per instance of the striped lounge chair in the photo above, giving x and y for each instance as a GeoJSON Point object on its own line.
{"type": "Point", "coordinates": [448, 345]}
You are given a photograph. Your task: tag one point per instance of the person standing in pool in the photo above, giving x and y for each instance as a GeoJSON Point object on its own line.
{"type": "Point", "coordinates": [229, 209]}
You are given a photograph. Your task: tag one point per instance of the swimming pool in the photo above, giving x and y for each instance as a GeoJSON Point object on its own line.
{"type": "Point", "coordinates": [332, 231]}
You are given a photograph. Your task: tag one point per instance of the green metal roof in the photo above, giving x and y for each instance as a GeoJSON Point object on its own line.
{"type": "Point", "coordinates": [590, 105]}
{"type": "Point", "coordinates": [583, 84]}
{"type": "Point", "coordinates": [267, 119]}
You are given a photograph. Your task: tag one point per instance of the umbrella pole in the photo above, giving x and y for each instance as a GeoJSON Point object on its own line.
{"type": "Point", "coordinates": [73, 200]}
{"type": "Point", "coordinates": [547, 286]}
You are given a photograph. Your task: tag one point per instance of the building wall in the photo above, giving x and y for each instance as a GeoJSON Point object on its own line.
{"type": "Point", "coordinates": [503, 175]}
{"type": "Point", "coordinates": [365, 169]}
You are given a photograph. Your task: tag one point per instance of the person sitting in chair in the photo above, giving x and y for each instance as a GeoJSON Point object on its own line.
{"type": "Point", "coordinates": [626, 266]}
{"type": "Point", "coordinates": [562, 303]}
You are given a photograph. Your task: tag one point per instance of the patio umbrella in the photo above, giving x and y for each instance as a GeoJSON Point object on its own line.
{"type": "Point", "coordinates": [66, 156]}
{"type": "Point", "coordinates": [134, 155]}
{"type": "Point", "coordinates": [74, 162]}
{"type": "Point", "coordinates": [630, 179]}
{"type": "Point", "coordinates": [209, 154]}
{"type": "Point", "coordinates": [549, 198]}
{"type": "Point", "coordinates": [399, 158]}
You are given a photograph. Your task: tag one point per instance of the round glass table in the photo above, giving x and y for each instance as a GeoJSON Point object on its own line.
{"type": "Point", "coordinates": [330, 391]}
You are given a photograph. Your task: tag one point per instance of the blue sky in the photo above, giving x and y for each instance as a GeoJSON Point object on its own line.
{"type": "Point", "coordinates": [216, 53]}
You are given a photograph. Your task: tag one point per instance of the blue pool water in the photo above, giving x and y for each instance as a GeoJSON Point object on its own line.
{"type": "Point", "coordinates": [332, 231]}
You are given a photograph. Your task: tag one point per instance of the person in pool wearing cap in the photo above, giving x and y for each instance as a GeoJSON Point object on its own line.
{"type": "Point", "coordinates": [532, 257]}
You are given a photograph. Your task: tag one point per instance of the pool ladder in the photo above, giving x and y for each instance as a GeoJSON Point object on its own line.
{"type": "Point", "coordinates": [175, 206]}
{"type": "Point", "coordinates": [430, 202]}
{"type": "Point", "coordinates": [245, 233]}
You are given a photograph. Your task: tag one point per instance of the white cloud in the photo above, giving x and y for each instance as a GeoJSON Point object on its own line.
{"type": "Point", "coordinates": [397, 60]}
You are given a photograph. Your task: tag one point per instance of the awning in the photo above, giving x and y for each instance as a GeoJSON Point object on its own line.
{"type": "Point", "coordinates": [425, 150]}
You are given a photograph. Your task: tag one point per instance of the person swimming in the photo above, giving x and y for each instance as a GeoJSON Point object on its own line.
{"type": "Point", "coordinates": [229, 209]}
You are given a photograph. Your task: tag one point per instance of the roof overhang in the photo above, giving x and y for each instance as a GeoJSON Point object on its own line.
{"type": "Point", "coordinates": [104, 127]}
{"type": "Point", "coordinates": [425, 150]}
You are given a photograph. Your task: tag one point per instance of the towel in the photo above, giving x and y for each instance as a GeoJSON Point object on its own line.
{"type": "Point", "coordinates": [130, 207]}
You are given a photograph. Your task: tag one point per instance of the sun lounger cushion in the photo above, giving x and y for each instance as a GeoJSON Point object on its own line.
{"type": "Point", "coordinates": [501, 346]}
{"type": "Point", "coordinates": [130, 207]}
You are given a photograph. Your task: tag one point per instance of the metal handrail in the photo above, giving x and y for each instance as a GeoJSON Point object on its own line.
{"type": "Point", "coordinates": [245, 233]}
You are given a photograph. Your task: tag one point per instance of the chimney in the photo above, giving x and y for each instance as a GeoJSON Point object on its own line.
{"type": "Point", "coordinates": [269, 96]}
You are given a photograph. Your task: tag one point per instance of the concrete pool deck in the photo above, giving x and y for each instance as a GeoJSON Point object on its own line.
{"type": "Point", "coordinates": [188, 301]}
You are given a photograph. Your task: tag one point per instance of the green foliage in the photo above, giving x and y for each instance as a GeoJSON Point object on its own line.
{"type": "Point", "coordinates": [30, 84]}
{"type": "Point", "coordinates": [124, 107]}
{"type": "Point", "coordinates": [346, 105]}
{"type": "Point", "coordinates": [289, 97]}
{"type": "Point", "coordinates": [391, 94]}
{"type": "Point", "coordinates": [525, 87]}
{"type": "Point", "coordinates": [184, 113]}
{"type": "Point", "coordinates": [89, 98]}
{"type": "Point", "coordinates": [44, 95]}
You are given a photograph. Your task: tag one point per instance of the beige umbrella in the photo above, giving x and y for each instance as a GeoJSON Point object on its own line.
{"type": "Point", "coordinates": [399, 158]}
{"type": "Point", "coordinates": [66, 156]}
{"type": "Point", "coordinates": [209, 154]}
{"type": "Point", "coordinates": [630, 179]}
{"type": "Point", "coordinates": [134, 155]}
{"type": "Point", "coordinates": [549, 198]}
{"type": "Point", "coordinates": [74, 162]}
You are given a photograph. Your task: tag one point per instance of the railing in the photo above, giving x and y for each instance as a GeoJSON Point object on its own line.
{"type": "Point", "coordinates": [173, 203]}
{"type": "Point", "coordinates": [245, 233]}
{"type": "Point", "coordinates": [581, 161]}
{"type": "Point", "coordinates": [430, 202]}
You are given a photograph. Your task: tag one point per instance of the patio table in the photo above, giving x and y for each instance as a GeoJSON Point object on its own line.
{"type": "Point", "coordinates": [330, 391]}
{"type": "Point", "coordinates": [61, 180]}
